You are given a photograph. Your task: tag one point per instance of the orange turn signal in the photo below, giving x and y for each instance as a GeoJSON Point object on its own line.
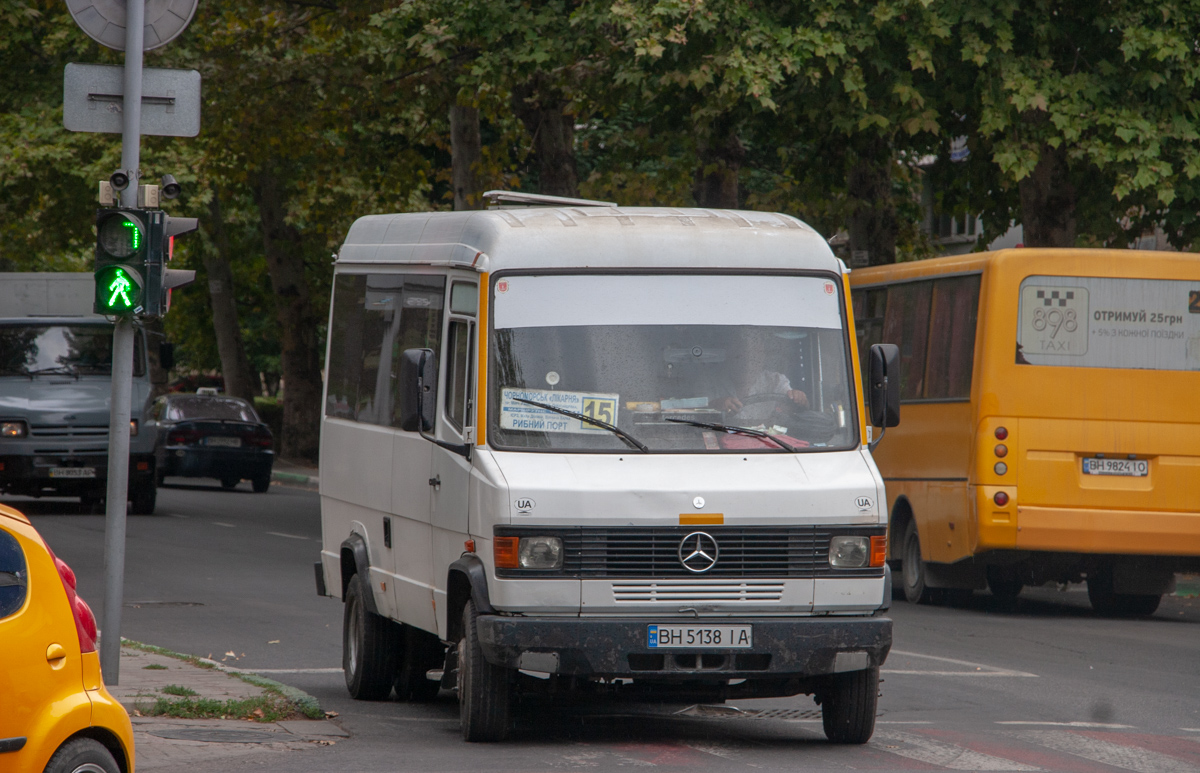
{"type": "Point", "coordinates": [879, 550]}
{"type": "Point", "coordinates": [504, 551]}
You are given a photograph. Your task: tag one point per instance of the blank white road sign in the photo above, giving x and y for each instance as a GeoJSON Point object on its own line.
{"type": "Point", "coordinates": [93, 97]}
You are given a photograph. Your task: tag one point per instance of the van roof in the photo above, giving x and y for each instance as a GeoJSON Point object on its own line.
{"type": "Point", "coordinates": [599, 237]}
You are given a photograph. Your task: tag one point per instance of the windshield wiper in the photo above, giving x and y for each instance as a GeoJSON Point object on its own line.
{"type": "Point", "coordinates": [738, 430]}
{"type": "Point", "coordinates": [611, 428]}
{"type": "Point", "coordinates": [61, 370]}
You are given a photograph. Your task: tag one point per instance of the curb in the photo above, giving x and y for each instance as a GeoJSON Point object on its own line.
{"type": "Point", "coordinates": [296, 479]}
{"type": "Point", "coordinates": [305, 703]}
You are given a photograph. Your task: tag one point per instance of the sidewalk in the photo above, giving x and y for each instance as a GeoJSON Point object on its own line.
{"type": "Point", "coordinates": [187, 711]}
{"type": "Point", "coordinates": [294, 474]}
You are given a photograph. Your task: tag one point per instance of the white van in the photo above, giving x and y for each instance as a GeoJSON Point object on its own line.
{"type": "Point", "coordinates": [593, 450]}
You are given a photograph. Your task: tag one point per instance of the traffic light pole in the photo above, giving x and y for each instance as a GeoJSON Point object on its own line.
{"type": "Point", "coordinates": [122, 365]}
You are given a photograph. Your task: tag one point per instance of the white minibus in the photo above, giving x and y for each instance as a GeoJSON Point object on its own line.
{"type": "Point", "coordinates": [577, 450]}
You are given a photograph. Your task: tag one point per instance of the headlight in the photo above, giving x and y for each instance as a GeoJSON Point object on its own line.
{"type": "Point", "coordinates": [849, 552]}
{"type": "Point", "coordinates": [13, 429]}
{"type": "Point", "coordinates": [540, 553]}
{"type": "Point", "coordinates": [133, 428]}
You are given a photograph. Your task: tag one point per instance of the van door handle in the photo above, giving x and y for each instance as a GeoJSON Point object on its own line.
{"type": "Point", "coordinates": [436, 482]}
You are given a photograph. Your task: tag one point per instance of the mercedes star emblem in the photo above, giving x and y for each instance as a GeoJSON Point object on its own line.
{"type": "Point", "coordinates": [698, 552]}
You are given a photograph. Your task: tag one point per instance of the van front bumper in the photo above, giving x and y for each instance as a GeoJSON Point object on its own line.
{"type": "Point", "coordinates": [783, 647]}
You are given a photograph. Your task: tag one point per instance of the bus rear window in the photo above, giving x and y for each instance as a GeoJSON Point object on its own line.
{"type": "Point", "coordinates": [1100, 322]}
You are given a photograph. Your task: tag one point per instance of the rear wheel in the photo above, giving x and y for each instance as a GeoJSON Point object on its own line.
{"type": "Point", "coordinates": [913, 569]}
{"type": "Point", "coordinates": [228, 482]}
{"type": "Point", "coordinates": [848, 706]}
{"type": "Point", "coordinates": [1111, 604]}
{"type": "Point", "coordinates": [421, 652]}
{"type": "Point", "coordinates": [261, 482]}
{"type": "Point", "coordinates": [143, 498]}
{"type": "Point", "coordinates": [484, 690]}
{"type": "Point", "coordinates": [82, 755]}
{"type": "Point", "coordinates": [1004, 583]}
{"type": "Point", "coordinates": [368, 647]}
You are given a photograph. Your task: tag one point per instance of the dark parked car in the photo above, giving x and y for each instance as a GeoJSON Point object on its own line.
{"type": "Point", "coordinates": [212, 436]}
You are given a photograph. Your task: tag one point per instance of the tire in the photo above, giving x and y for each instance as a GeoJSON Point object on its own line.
{"type": "Point", "coordinates": [368, 647]}
{"type": "Point", "coordinates": [1111, 604]}
{"type": "Point", "coordinates": [82, 755]}
{"type": "Point", "coordinates": [912, 570]}
{"type": "Point", "coordinates": [420, 653]}
{"type": "Point", "coordinates": [261, 483]}
{"type": "Point", "coordinates": [143, 499]}
{"type": "Point", "coordinates": [848, 706]}
{"type": "Point", "coordinates": [228, 483]}
{"type": "Point", "coordinates": [1004, 585]}
{"type": "Point", "coordinates": [484, 691]}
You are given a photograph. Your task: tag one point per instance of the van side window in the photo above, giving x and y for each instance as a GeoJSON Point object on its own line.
{"type": "Point", "coordinates": [906, 324]}
{"type": "Point", "coordinates": [375, 318]}
{"type": "Point", "coordinates": [14, 577]}
{"type": "Point", "coordinates": [952, 337]}
{"type": "Point", "coordinates": [458, 373]}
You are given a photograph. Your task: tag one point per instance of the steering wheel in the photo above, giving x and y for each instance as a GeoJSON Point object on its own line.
{"type": "Point", "coordinates": [803, 422]}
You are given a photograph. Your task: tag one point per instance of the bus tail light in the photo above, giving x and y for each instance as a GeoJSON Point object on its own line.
{"type": "Point", "coordinates": [1001, 450]}
{"type": "Point", "coordinates": [1000, 498]}
{"type": "Point", "coordinates": [1001, 433]}
{"type": "Point", "coordinates": [504, 552]}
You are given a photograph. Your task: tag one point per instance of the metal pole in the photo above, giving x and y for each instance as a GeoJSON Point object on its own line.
{"type": "Point", "coordinates": [122, 366]}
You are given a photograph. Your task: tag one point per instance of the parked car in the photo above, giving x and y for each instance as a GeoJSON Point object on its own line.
{"type": "Point", "coordinates": [57, 716]}
{"type": "Point", "coordinates": [212, 436]}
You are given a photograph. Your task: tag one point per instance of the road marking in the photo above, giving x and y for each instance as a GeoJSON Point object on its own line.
{"type": "Point", "coordinates": [927, 750]}
{"type": "Point", "coordinates": [1190, 729]}
{"type": "Point", "coordinates": [1106, 753]}
{"type": "Point", "coordinates": [174, 515]}
{"type": "Point", "coordinates": [289, 536]}
{"type": "Point", "coordinates": [1068, 724]}
{"type": "Point", "coordinates": [981, 669]}
{"type": "Point", "coordinates": [291, 670]}
{"type": "Point", "coordinates": [226, 525]}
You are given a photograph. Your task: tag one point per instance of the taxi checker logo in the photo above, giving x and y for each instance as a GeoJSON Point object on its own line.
{"type": "Point", "coordinates": [698, 552]}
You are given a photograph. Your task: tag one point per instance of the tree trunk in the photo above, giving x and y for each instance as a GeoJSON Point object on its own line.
{"type": "Point", "coordinates": [553, 132]}
{"type": "Point", "coordinates": [1048, 201]}
{"type": "Point", "coordinates": [466, 150]}
{"type": "Point", "coordinates": [235, 365]}
{"type": "Point", "coordinates": [300, 357]}
{"type": "Point", "coordinates": [873, 224]}
{"type": "Point", "coordinates": [721, 159]}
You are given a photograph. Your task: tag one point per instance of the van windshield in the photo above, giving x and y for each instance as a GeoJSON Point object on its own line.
{"type": "Point", "coordinates": [72, 350]}
{"type": "Point", "coordinates": [658, 356]}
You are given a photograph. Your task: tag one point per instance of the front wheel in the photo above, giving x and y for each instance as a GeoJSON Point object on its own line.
{"type": "Point", "coordinates": [368, 647]}
{"type": "Point", "coordinates": [82, 755]}
{"type": "Point", "coordinates": [1111, 604]}
{"type": "Point", "coordinates": [848, 706]}
{"type": "Point", "coordinates": [143, 499]}
{"type": "Point", "coordinates": [913, 569]}
{"type": "Point", "coordinates": [484, 690]}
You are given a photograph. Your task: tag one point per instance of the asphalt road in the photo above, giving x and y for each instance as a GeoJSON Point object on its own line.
{"type": "Point", "coordinates": [1044, 685]}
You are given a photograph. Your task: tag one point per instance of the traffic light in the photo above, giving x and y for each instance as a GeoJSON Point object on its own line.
{"type": "Point", "coordinates": [122, 244]}
{"type": "Point", "coordinates": [160, 279]}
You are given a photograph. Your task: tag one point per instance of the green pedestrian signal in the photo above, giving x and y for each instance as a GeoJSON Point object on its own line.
{"type": "Point", "coordinates": [118, 291]}
{"type": "Point", "coordinates": [122, 241]}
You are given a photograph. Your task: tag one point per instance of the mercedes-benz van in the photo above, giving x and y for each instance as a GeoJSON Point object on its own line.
{"type": "Point", "coordinates": [583, 449]}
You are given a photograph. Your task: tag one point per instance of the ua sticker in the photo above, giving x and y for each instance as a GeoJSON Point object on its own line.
{"type": "Point", "coordinates": [864, 503]}
{"type": "Point", "coordinates": [524, 505]}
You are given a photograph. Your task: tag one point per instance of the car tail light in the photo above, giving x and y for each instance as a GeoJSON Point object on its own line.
{"type": "Point", "coordinates": [259, 437]}
{"type": "Point", "coordinates": [182, 437]}
{"type": "Point", "coordinates": [85, 621]}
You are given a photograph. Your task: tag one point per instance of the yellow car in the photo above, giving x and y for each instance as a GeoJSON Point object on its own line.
{"type": "Point", "coordinates": [55, 715]}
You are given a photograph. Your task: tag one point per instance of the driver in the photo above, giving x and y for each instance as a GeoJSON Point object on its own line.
{"type": "Point", "coordinates": [750, 377]}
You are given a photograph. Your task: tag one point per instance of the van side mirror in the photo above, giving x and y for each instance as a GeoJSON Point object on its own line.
{"type": "Point", "coordinates": [166, 355]}
{"type": "Point", "coordinates": [883, 383]}
{"type": "Point", "coordinates": [417, 401]}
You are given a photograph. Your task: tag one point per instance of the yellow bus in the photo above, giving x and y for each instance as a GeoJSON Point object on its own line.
{"type": "Point", "coordinates": [1051, 426]}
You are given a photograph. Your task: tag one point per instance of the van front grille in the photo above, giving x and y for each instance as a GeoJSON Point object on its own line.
{"type": "Point", "coordinates": [653, 551]}
{"type": "Point", "coordinates": [675, 591]}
